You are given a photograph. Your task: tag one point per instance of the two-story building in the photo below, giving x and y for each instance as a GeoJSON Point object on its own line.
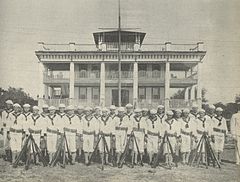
{"type": "Point", "coordinates": [87, 74]}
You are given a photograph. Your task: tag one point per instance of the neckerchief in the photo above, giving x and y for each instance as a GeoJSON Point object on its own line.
{"type": "Point", "coordinates": [138, 119]}
{"type": "Point", "coordinates": [194, 114]}
{"type": "Point", "coordinates": [44, 114]}
{"type": "Point", "coordinates": [186, 120]}
{"type": "Point", "coordinates": [8, 112]}
{"type": "Point", "coordinates": [80, 116]}
{"type": "Point", "coordinates": [211, 116]}
{"type": "Point", "coordinates": [61, 114]}
{"type": "Point", "coordinates": [169, 123]}
{"type": "Point", "coordinates": [16, 116]}
{"type": "Point", "coordinates": [203, 121]}
{"type": "Point", "coordinates": [35, 119]}
{"type": "Point", "coordinates": [153, 119]}
{"type": "Point", "coordinates": [219, 120]}
{"type": "Point", "coordinates": [97, 116]}
{"type": "Point", "coordinates": [112, 115]}
{"type": "Point", "coordinates": [121, 119]}
{"type": "Point", "coordinates": [70, 118]}
{"type": "Point", "coordinates": [160, 116]}
{"type": "Point", "coordinates": [105, 119]}
{"type": "Point", "coordinates": [129, 115]}
{"type": "Point", "coordinates": [51, 118]}
{"type": "Point", "coordinates": [26, 115]}
{"type": "Point", "coordinates": [88, 120]}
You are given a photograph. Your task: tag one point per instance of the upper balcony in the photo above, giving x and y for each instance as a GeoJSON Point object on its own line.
{"type": "Point", "coordinates": [56, 77]}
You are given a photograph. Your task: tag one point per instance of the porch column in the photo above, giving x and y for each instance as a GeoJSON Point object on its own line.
{"type": "Point", "coordinates": [102, 84]}
{"type": "Point", "coordinates": [135, 83]}
{"type": "Point", "coordinates": [199, 85]}
{"type": "Point", "coordinates": [186, 98]}
{"type": "Point", "coordinates": [192, 95]}
{"type": "Point", "coordinates": [167, 85]}
{"type": "Point", "coordinates": [41, 88]}
{"type": "Point", "coordinates": [71, 82]}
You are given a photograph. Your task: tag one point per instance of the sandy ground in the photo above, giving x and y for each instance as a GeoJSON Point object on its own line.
{"type": "Point", "coordinates": [79, 172]}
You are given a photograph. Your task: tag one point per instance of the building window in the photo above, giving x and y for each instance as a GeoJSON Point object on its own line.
{"type": "Point", "coordinates": [83, 93]}
{"type": "Point", "coordinates": [155, 93]}
{"type": "Point", "coordinates": [95, 93]}
{"type": "Point", "coordinates": [142, 93]}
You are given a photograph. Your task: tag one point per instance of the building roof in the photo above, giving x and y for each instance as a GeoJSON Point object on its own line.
{"type": "Point", "coordinates": [112, 36]}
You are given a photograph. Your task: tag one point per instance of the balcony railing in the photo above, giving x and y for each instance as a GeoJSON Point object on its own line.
{"type": "Point", "coordinates": [87, 75]}
{"type": "Point", "coordinates": [114, 75]}
{"type": "Point", "coordinates": [61, 76]}
{"type": "Point", "coordinates": [150, 74]}
{"type": "Point", "coordinates": [153, 103]}
{"type": "Point", "coordinates": [180, 103]}
{"type": "Point", "coordinates": [125, 46]}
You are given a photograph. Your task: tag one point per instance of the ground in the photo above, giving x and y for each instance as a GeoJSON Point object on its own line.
{"type": "Point", "coordinates": [229, 172]}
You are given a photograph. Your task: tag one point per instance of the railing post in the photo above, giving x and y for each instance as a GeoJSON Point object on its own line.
{"type": "Point", "coordinates": [168, 46]}
{"type": "Point", "coordinates": [72, 46]}
{"type": "Point", "coordinates": [40, 46]}
{"type": "Point", "coordinates": [200, 46]}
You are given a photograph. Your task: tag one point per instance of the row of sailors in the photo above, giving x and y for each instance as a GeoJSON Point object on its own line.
{"type": "Point", "coordinates": [184, 129]}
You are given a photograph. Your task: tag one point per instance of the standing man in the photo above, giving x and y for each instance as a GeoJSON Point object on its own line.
{"type": "Point", "coordinates": [194, 111]}
{"type": "Point", "coordinates": [72, 126]}
{"type": "Point", "coordinates": [52, 132]}
{"type": "Point", "coordinates": [5, 124]}
{"type": "Point", "coordinates": [155, 132]}
{"type": "Point", "coordinates": [15, 134]}
{"type": "Point", "coordinates": [106, 129]}
{"type": "Point", "coordinates": [139, 129]}
{"type": "Point", "coordinates": [90, 131]}
{"type": "Point", "coordinates": [211, 112]}
{"type": "Point", "coordinates": [26, 115]}
{"type": "Point", "coordinates": [188, 131]}
{"type": "Point", "coordinates": [160, 112]}
{"type": "Point", "coordinates": [219, 133]}
{"type": "Point", "coordinates": [172, 130]}
{"type": "Point", "coordinates": [122, 129]}
{"type": "Point", "coordinates": [235, 131]}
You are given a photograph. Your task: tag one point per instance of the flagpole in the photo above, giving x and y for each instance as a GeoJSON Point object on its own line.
{"type": "Point", "coordinates": [119, 55]}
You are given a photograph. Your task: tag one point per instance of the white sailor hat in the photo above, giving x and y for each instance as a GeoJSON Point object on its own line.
{"type": "Point", "coordinates": [26, 105]}
{"type": "Point", "coordinates": [194, 106]}
{"type": "Point", "coordinates": [137, 110]}
{"type": "Point", "coordinates": [45, 106]}
{"type": "Point", "coordinates": [178, 110]}
{"type": "Point", "coordinates": [80, 107]}
{"type": "Point", "coordinates": [35, 108]}
{"type": "Point", "coordinates": [129, 105]}
{"type": "Point", "coordinates": [211, 107]}
{"type": "Point", "coordinates": [51, 108]}
{"type": "Point", "coordinates": [169, 113]}
{"type": "Point", "coordinates": [186, 110]}
{"type": "Point", "coordinates": [97, 107]}
{"type": "Point", "coordinates": [153, 111]}
{"type": "Point", "coordinates": [219, 109]}
{"type": "Point", "coordinates": [104, 109]}
{"type": "Point", "coordinates": [16, 105]}
{"type": "Point", "coordinates": [70, 107]}
{"type": "Point", "coordinates": [121, 109]}
{"type": "Point", "coordinates": [9, 102]}
{"type": "Point", "coordinates": [145, 109]}
{"type": "Point", "coordinates": [160, 107]}
{"type": "Point", "coordinates": [61, 106]}
{"type": "Point", "coordinates": [88, 108]}
{"type": "Point", "coordinates": [112, 107]}
{"type": "Point", "coordinates": [201, 111]}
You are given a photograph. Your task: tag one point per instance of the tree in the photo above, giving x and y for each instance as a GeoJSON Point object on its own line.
{"type": "Point", "coordinates": [237, 98]}
{"type": "Point", "coordinates": [17, 95]}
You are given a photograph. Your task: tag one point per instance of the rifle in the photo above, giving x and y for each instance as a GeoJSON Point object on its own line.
{"type": "Point", "coordinates": [68, 151]}
{"type": "Point", "coordinates": [159, 154]}
{"type": "Point", "coordinates": [141, 162]}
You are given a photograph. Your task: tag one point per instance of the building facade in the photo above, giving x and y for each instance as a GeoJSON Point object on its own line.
{"type": "Point", "coordinates": [87, 74]}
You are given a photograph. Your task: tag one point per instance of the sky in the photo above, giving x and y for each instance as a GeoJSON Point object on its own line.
{"type": "Point", "coordinates": [23, 23]}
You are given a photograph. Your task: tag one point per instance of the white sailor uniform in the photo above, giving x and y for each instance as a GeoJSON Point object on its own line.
{"type": "Point", "coordinates": [172, 129]}
{"type": "Point", "coordinates": [90, 129]}
{"type": "Point", "coordinates": [6, 123]}
{"type": "Point", "coordinates": [52, 133]}
{"type": "Point", "coordinates": [122, 129]}
{"type": "Point", "coordinates": [219, 132]}
{"type": "Point", "coordinates": [188, 129]}
{"type": "Point", "coordinates": [139, 129]}
{"type": "Point", "coordinates": [154, 131]}
{"type": "Point", "coordinates": [107, 129]}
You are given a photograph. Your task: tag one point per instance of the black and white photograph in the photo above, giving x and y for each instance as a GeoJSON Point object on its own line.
{"type": "Point", "coordinates": [119, 90]}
